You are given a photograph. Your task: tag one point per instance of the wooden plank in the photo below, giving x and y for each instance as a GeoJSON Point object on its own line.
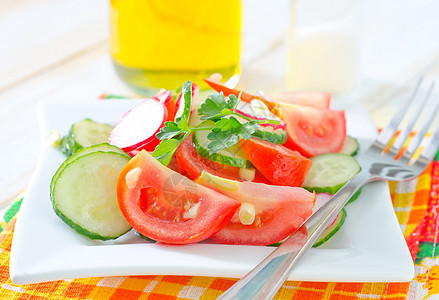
{"type": "Point", "coordinates": [38, 35]}
{"type": "Point", "coordinates": [80, 80]}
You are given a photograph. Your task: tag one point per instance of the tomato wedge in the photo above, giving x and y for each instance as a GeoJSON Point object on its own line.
{"type": "Point", "coordinates": [167, 207]}
{"type": "Point", "coordinates": [280, 165]}
{"type": "Point", "coordinates": [191, 164]}
{"type": "Point", "coordinates": [313, 131]}
{"type": "Point", "coordinates": [306, 98]}
{"type": "Point", "coordinates": [268, 213]}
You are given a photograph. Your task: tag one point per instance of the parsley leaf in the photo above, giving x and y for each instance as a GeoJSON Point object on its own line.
{"type": "Point", "coordinates": [173, 133]}
{"type": "Point", "coordinates": [248, 129]}
{"type": "Point", "coordinates": [228, 132]}
{"type": "Point", "coordinates": [228, 124]}
{"type": "Point", "coordinates": [183, 125]}
{"type": "Point", "coordinates": [233, 101]}
{"type": "Point", "coordinates": [225, 132]}
{"type": "Point", "coordinates": [166, 149]}
{"type": "Point", "coordinates": [170, 130]}
{"type": "Point", "coordinates": [213, 106]}
{"type": "Point", "coordinates": [221, 139]}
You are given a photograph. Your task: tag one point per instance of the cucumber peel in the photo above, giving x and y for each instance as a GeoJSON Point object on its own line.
{"type": "Point", "coordinates": [329, 232]}
{"type": "Point", "coordinates": [232, 156]}
{"type": "Point", "coordinates": [275, 136]}
{"type": "Point", "coordinates": [329, 172]}
{"type": "Point", "coordinates": [84, 151]}
{"type": "Point", "coordinates": [350, 146]}
{"type": "Point", "coordinates": [83, 134]}
{"type": "Point", "coordinates": [355, 196]}
{"type": "Point", "coordinates": [331, 229]}
{"type": "Point", "coordinates": [83, 195]}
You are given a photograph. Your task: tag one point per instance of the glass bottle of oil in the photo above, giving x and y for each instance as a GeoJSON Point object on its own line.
{"type": "Point", "coordinates": [163, 43]}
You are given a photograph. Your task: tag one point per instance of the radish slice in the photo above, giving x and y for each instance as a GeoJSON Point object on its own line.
{"type": "Point", "coordinates": [321, 199]}
{"type": "Point", "coordinates": [164, 96]}
{"type": "Point", "coordinates": [257, 110]}
{"type": "Point", "coordinates": [167, 98]}
{"type": "Point", "coordinates": [138, 127]}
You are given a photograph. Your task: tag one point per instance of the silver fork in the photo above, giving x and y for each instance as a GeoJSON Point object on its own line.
{"type": "Point", "coordinates": [377, 163]}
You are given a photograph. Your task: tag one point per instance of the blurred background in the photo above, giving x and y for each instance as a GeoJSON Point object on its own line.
{"type": "Point", "coordinates": [59, 50]}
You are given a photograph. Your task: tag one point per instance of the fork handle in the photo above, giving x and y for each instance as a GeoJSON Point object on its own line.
{"type": "Point", "coordinates": [268, 276]}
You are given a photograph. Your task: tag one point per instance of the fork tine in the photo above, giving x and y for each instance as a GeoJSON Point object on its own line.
{"type": "Point", "coordinates": [417, 139]}
{"type": "Point", "coordinates": [431, 149]}
{"type": "Point", "coordinates": [387, 133]}
{"type": "Point", "coordinates": [399, 142]}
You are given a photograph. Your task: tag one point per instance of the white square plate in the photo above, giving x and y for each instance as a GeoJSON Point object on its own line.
{"type": "Point", "coordinates": [369, 247]}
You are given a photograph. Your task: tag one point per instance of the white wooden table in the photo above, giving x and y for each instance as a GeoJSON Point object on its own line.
{"type": "Point", "coordinates": [57, 50]}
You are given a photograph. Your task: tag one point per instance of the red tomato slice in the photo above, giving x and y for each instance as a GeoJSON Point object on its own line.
{"type": "Point", "coordinates": [277, 211]}
{"type": "Point", "coordinates": [278, 164]}
{"type": "Point", "coordinates": [191, 164]}
{"type": "Point", "coordinates": [307, 98]}
{"type": "Point", "coordinates": [313, 131]}
{"type": "Point", "coordinates": [168, 207]}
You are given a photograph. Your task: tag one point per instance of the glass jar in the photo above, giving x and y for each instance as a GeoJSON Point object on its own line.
{"type": "Point", "coordinates": [163, 43]}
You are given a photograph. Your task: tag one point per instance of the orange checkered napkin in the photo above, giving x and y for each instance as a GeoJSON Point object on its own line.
{"type": "Point", "coordinates": [416, 205]}
{"type": "Point", "coordinates": [175, 287]}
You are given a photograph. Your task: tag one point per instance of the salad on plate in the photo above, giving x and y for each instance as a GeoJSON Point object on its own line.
{"type": "Point", "coordinates": [231, 168]}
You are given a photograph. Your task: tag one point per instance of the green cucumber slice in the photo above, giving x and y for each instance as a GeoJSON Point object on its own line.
{"type": "Point", "coordinates": [327, 233]}
{"type": "Point", "coordinates": [350, 146]}
{"type": "Point", "coordinates": [84, 195]}
{"type": "Point", "coordinates": [184, 108]}
{"type": "Point", "coordinates": [330, 171]}
{"type": "Point", "coordinates": [83, 151]}
{"type": "Point", "coordinates": [355, 196]}
{"type": "Point", "coordinates": [269, 134]}
{"type": "Point", "coordinates": [232, 156]}
{"type": "Point", "coordinates": [83, 134]}
{"type": "Point", "coordinates": [331, 229]}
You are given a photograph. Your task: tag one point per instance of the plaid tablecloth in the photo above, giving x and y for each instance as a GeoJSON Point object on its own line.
{"type": "Point", "coordinates": [416, 206]}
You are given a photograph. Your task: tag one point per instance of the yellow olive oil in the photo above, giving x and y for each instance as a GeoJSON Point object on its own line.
{"type": "Point", "coordinates": [163, 43]}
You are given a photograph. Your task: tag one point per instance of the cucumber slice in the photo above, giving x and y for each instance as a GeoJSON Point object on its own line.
{"type": "Point", "coordinates": [332, 228]}
{"type": "Point", "coordinates": [327, 233]}
{"type": "Point", "coordinates": [269, 134]}
{"type": "Point", "coordinates": [355, 196]}
{"type": "Point", "coordinates": [83, 151]}
{"type": "Point", "coordinates": [232, 156]}
{"type": "Point", "coordinates": [329, 172]}
{"type": "Point", "coordinates": [84, 195]}
{"type": "Point", "coordinates": [350, 146]}
{"type": "Point", "coordinates": [83, 134]}
{"type": "Point", "coordinates": [185, 103]}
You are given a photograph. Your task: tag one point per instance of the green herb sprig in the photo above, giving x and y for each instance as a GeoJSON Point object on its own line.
{"type": "Point", "coordinates": [226, 131]}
